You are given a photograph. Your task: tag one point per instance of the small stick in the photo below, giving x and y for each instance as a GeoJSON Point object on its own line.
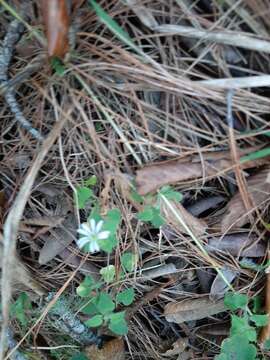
{"type": "Point", "coordinates": [237, 83]}
{"type": "Point", "coordinates": [245, 41]}
{"type": "Point", "coordinates": [265, 333]}
{"type": "Point", "coordinates": [12, 36]}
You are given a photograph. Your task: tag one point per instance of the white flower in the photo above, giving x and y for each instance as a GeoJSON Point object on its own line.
{"type": "Point", "coordinates": [91, 234]}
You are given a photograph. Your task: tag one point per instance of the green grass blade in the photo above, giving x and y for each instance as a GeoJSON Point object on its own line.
{"type": "Point", "coordinates": [113, 26]}
{"type": "Point", "coordinates": [256, 155]}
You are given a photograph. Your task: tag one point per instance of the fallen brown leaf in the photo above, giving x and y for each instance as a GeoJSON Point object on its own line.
{"type": "Point", "coordinates": [219, 286]}
{"type": "Point", "coordinates": [239, 244]}
{"type": "Point", "coordinates": [177, 347]}
{"type": "Point", "coordinates": [58, 240]}
{"type": "Point", "coordinates": [202, 205]}
{"type": "Point", "coordinates": [70, 258]}
{"type": "Point", "coordinates": [152, 177]}
{"type": "Point", "coordinates": [259, 190]}
{"type": "Point", "coordinates": [21, 273]}
{"type": "Point", "coordinates": [112, 350]}
{"type": "Point", "coordinates": [192, 309]}
{"type": "Point", "coordinates": [197, 226]}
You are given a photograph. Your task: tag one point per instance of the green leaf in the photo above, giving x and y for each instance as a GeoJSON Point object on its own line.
{"type": "Point", "coordinates": [91, 181]}
{"type": "Point", "coordinates": [126, 297]}
{"type": "Point", "coordinates": [256, 155]}
{"type": "Point", "coordinates": [88, 285]}
{"type": "Point", "coordinates": [58, 66]}
{"type": "Point", "coordinates": [234, 301]}
{"type": "Point", "coordinates": [90, 307]}
{"type": "Point", "coordinates": [105, 305]}
{"type": "Point", "coordinates": [248, 264]}
{"type": "Point", "coordinates": [146, 214]}
{"type": "Point", "coordinates": [171, 194]}
{"type": "Point", "coordinates": [260, 320]}
{"type": "Point", "coordinates": [95, 321]}
{"type": "Point", "coordinates": [113, 26]}
{"type": "Point", "coordinates": [83, 195]}
{"type": "Point", "coordinates": [257, 304]}
{"type": "Point", "coordinates": [136, 197]}
{"type": "Point", "coordinates": [108, 273]}
{"type": "Point", "coordinates": [266, 345]}
{"type": "Point", "coordinates": [157, 219]}
{"type": "Point", "coordinates": [111, 223]}
{"type": "Point", "coordinates": [118, 324]}
{"type": "Point", "coordinates": [237, 348]}
{"type": "Point", "coordinates": [240, 326]}
{"type": "Point", "coordinates": [21, 305]}
{"type": "Point", "coordinates": [128, 261]}
{"type": "Point", "coordinates": [108, 244]}
{"type": "Point", "coordinates": [112, 220]}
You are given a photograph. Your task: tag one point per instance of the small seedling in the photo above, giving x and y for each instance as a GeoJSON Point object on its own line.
{"type": "Point", "coordinates": [152, 204]}
{"type": "Point", "coordinates": [243, 333]}
{"type": "Point", "coordinates": [20, 307]}
{"type": "Point", "coordinates": [101, 305]}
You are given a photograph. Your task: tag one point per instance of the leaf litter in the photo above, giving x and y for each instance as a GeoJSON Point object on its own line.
{"type": "Point", "coordinates": [144, 107]}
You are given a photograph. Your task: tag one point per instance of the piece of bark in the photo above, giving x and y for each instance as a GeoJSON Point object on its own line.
{"type": "Point", "coordinates": [239, 244]}
{"type": "Point", "coordinates": [236, 214]}
{"type": "Point", "coordinates": [192, 309]}
{"type": "Point", "coordinates": [152, 177]}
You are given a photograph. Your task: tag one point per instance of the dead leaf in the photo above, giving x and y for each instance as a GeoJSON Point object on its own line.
{"type": "Point", "coordinates": [202, 205]}
{"type": "Point", "coordinates": [239, 244]}
{"type": "Point", "coordinates": [236, 215]}
{"type": "Point", "coordinates": [21, 273]}
{"type": "Point", "coordinates": [152, 177]}
{"type": "Point", "coordinates": [56, 19]}
{"type": "Point", "coordinates": [206, 278]}
{"type": "Point", "coordinates": [58, 240]}
{"type": "Point", "coordinates": [72, 259]}
{"type": "Point", "coordinates": [192, 309]}
{"type": "Point", "coordinates": [197, 226]}
{"type": "Point", "coordinates": [112, 350]}
{"type": "Point", "coordinates": [161, 270]}
{"type": "Point", "coordinates": [177, 347]}
{"type": "Point", "coordinates": [219, 286]}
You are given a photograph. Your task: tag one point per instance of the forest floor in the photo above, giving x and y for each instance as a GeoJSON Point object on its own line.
{"type": "Point", "coordinates": [150, 137]}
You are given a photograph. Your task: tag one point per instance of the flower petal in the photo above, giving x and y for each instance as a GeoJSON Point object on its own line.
{"type": "Point", "coordinates": [103, 235]}
{"type": "Point", "coordinates": [83, 232]}
{"type": "Point", "coordinates": [93, 247]}
{"type": "Point", "coordinates": [92, 225]}
{"type": "Point", "coordinates": [82, 241]}
{"type": "Point", "coordinates": [99, 226]}
{"type": "Point", "coordinates": [85, 227]}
